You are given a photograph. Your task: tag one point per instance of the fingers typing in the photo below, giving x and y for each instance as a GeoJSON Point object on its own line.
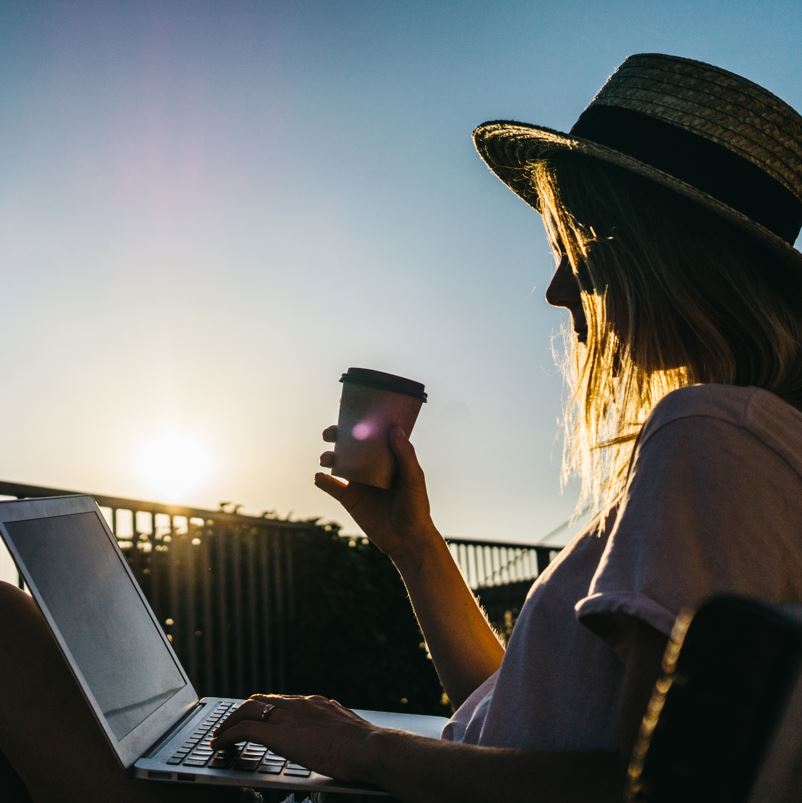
{"type": "Point", "coordinates": [245, 731]}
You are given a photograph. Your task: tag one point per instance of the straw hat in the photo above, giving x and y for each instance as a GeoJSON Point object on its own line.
{"type": "Point", "coordinates": [702, 131]}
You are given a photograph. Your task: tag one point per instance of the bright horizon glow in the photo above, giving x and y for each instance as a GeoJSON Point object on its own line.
{"type": "Point", "coordinates": [174, 464]}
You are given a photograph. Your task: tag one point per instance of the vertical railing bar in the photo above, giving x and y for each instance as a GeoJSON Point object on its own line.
{"type": "Point", "coordinates": [135, 562]}
{"type": "Point", "coordinates": [190, 584]}
{"type": "Point", "coordinates": [174, 611]}
{"type": "Point", "coordinates": [236, 590]}
{"type": "Point", "coordinates": [474, 571]}
{"type": "Point", "coordinates": [142, 575]}
{"type": "Point", "coordinates": [207, 625]}
{"type": "Point", "coordinates": [265, 613]}
{"type": "Point", "coordinates": [153, 565]}
{"type": "Point", "coordinates": [252, 608]}
{"type": "Point", "coordinates": [277, 595]}
{"type": "Point", "coordinates": [286, 590]}
{"type": "Point", "coordinates": [223, 647]}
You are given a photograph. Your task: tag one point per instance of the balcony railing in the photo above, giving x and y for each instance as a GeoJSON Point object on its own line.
{"type": "Point", "coordinates": [225, 586]}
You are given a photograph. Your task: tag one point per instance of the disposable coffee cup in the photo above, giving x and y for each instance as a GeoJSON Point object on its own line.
{"type": "Point", "coordinates": [372, 403]}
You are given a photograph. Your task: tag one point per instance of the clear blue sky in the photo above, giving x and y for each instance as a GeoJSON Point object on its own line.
{"type": "Point", "coordinates": [210, 210]}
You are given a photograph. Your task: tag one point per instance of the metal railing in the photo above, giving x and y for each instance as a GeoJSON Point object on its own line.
{"type": "Point", "coordinates": [222, 584]}
{"type": "Point", "coordinates": [487, 564]}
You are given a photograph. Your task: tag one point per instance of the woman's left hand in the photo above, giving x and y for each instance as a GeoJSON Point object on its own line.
{"type": "Point", "coordinates": [313, 731]}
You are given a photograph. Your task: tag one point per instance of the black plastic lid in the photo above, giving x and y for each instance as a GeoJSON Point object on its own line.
{"type": "Point", "coordinates": [382, 381]}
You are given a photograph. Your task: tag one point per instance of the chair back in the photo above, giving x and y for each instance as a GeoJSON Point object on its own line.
{"type": "Point", "coordinates": [725, 718]}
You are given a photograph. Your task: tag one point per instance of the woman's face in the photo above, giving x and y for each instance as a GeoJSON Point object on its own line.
{"type": "Point", "coordinates": [564, 292]}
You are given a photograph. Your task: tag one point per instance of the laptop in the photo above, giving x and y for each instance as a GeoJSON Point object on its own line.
{"type": "Point", "coordinates": [126, 668]}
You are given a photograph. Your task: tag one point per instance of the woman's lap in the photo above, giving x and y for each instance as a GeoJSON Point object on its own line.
{"type": "Point", "coordinates": [51, 738]}
{"type": "Point", "coordinates": [47, 731]}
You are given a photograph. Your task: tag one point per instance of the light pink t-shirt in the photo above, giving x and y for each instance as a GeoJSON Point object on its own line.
{"type": "Point", "coordinates": [713, 504]}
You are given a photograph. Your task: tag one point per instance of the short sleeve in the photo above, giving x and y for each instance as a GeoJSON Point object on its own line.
{"type": "Point", "coordinates": [709, 508]}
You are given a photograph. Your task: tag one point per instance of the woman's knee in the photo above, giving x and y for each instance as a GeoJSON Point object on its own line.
{"type": "Point", "coordinates": [21, 622]}
{"type": "Point", "coordinates": [14, 599]}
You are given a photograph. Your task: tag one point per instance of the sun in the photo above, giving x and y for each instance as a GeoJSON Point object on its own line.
{"type": "Point", "coordinates": [173, 464]}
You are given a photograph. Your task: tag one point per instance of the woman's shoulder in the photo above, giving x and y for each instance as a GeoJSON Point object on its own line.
{"type": "Point", "coordinates": [697, 413]}
{"type": "Point", "coordinates": [727, 402]}
{"type": "Point", "coordinates": [744, 407]}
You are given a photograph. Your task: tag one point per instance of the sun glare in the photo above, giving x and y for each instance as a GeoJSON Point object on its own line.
{"type": "Point", "coordinates": [174, 464]}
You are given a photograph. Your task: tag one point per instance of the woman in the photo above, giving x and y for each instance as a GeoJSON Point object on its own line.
{"type": "Point", "coordinates": [672, 209]}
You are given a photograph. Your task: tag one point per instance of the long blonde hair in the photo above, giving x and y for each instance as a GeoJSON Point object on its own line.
{"type": "Point", "coordinates": [673, 295]}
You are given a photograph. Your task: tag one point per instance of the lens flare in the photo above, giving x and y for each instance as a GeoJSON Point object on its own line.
{"type": "Point", "coordinates": [363, 430]}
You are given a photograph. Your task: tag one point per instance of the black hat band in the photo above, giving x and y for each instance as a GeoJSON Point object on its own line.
{"type": "Point", "coordinates": [697, 161]}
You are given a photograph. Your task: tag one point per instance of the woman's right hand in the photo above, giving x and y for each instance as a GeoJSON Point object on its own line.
{"type": "Point", "coordinates": [397, 520]}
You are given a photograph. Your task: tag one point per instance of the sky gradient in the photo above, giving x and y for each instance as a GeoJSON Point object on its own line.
{"type": "Point", "coordinates": [209, 211]}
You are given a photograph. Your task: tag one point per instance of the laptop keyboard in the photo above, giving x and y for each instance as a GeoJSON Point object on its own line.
{"type": "Point", "coordinates": [249, 756]}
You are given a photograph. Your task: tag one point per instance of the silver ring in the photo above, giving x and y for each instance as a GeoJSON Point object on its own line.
{"type": "Point", "coordinates": [267, 710]}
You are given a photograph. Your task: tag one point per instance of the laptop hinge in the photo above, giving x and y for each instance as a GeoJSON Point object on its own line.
{"type": "Point", "coordinates": [167, 735]}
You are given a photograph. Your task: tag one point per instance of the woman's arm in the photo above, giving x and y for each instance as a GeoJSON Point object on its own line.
{"type": "Point", "coordinates": [326, 737]}
{"type": "Point", "coordinates": [414, 769]}
{"type": "Point", "coordinates": [464, 648]}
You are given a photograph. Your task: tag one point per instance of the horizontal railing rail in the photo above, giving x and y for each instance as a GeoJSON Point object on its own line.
{"type": "Point", "coordinates": [134, 521]}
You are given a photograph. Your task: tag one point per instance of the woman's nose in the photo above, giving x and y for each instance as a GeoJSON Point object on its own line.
{"type": "Point", "coordinates": [563, 291]}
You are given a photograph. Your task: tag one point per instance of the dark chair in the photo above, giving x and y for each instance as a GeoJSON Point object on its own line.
{"type": "Point", "coordinates": [724, 724]}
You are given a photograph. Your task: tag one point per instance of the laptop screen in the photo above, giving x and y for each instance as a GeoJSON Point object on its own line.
{"type": "Point", "coordinates": [82, 580]}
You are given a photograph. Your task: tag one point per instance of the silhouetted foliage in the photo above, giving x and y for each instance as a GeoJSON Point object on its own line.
{"type": "Point", "coordinates": [354, 636]}
{"type": "Point", "coordinates": [294, 607]}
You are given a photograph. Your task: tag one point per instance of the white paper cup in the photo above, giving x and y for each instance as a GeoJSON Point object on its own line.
{"type": "Point", "coordinates": [372, 403]}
